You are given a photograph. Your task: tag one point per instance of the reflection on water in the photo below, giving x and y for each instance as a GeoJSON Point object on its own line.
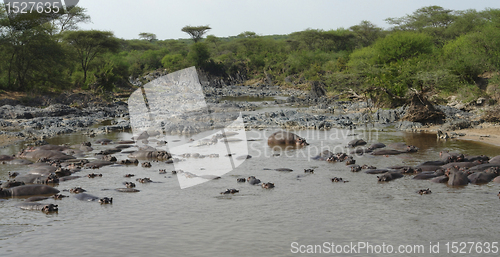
{"type": "Point", "coordinates": [164, 220]}
{"type": "Point", "coordinates": [248, 98]}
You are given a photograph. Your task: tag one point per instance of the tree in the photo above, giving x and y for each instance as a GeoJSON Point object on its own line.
{"type": "Point", "coordinates": [197, 32]}
{"type": "Point", "coordinates": [430, 17]}
{"type": "Point", "coordinates": [89, 45]}
{"type": "Point", "coordinates": [199, 54]}
{"type": "Point", "coordinates": [366, 33]}
{"type": "Point", "coordinates": [69, 20]}
{"type": "Point", "coordinates": [214, 40]}
{"type": "Point", "coordinates": [148, 36]}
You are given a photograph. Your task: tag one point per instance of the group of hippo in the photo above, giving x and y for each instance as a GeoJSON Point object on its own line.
{"type": "Point", "coordinates": [50, 165]}
{"type": "Point", "coordinates": [453, 169]}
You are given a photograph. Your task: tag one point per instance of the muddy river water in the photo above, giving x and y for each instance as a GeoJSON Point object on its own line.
{"type": "Point", "coordinates": [304, 212]}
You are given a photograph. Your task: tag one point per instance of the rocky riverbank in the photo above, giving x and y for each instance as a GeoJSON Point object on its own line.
{"type": "Point", "coordinates": [269, 107]}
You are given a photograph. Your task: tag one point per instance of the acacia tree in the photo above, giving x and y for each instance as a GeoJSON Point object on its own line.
{"type": "Point", "coordinates": [196, 32]}
{"type": "Point", "coordinates": [90, 44]}
{"type": "Point", "coordinates": [147, 36]}
{"type": "Point", "coordinates": [69, 20]}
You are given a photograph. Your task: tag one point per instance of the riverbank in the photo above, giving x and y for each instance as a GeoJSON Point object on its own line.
{"type": "Point", "coordinates": [262, 106]}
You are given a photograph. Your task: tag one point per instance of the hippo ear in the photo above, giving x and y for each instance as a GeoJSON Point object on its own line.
{"type": "Point", "coordinates": [378, 177]}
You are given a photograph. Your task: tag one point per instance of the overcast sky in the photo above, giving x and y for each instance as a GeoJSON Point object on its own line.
{"type": "Point", "coordinates": [165, 18]}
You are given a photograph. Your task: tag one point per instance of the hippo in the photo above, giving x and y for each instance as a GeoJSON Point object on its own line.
{"type": "Point", "coordinates": [146, 165]}
{"type": "Point", "coordinates": [58, 196]}
{"type": "Point", "coordinates": [106, 200]}
{"type": "Point", "coordinates": [253, 181]}
{"type": "Point", "coordinates": [19, 162]}
{"type": "Point", "coordinates": [367, 167]}
{"type": "Point", "coordinates": [495, 160]}
{"type": "Point", "coordinates": [13, 174]}
{"type": "Point", "coordinates": [46, 208]}
{"type": "Point", "coordinates": [53, 147]}
{"type": "Point", "coordinates": [459, 165]}
{"type": "Point", "coordinates": [52, 155]}
{"type": "Point", "coordinates": [457, 178]}
{"type": "Point", "coordinates": [350, 160]}
{"type": "Point", "coordinates": [388, 176]}
{"type": "Point", "coordinates": [127, 190]}
{"type": "Point", "coordinates": [12, 183]}
{"type": "Point", "coordinates": [440, 179]}
{"type": "Point", "coordinates": [424, 191]}
{"type": "Point", "coordinates": [356, 142]}
{"type": "Point", "coordinates": [267, 185]}
{"type": "Point", "coordinates": [97, 164]}
{"type": "Point", "coordinates": [129, 162]}
{"type": "Point", "coordinates": [360, 151]}
{"type": "Point", "coordinates": [38, 179]}
{"type": "Point", "coordinates": [286, 138]}
{"type": "Point", "coordinates": [109, 151]}
{"type": "Point", "coordinates": [43, 170]}
{"type": "Point", "coordinates": [93, 175]}
{"type": "Point", "coordinates": [150, 154]}
{"type": "Point", "coordinates": [481, 158]}
{"type": "Point", "coordinates": [162, 171]}
{"type": "Point", "coordinates": [484, 176]}
{"type": "Point", "coordinates": [451, 157]}
{"type": "Point", "coordinates": [335, 179]}
{"type": "Point", "coordinates": [355, 168]}
{"type": "Point", "coordinates": [376, 171]}
{"type": "Point", "coordinates": [86, 197]}
{"type": "Point", "coordinates": [144, 180]}
{"type": "Point", "coordinates": [387, 152]}
{"type": "Point", "coordinates": [284, 169]}
{"type": "Point", "coordinates": [108, 158]}
{"type": "Point", "coordinates": [429, 174]}
{"type": "Point", "coordinates": [77, 190]}
{"type": "Point", "coordinates": [6, 158]}
{"type": "Point", "coordinates": [376, 146]}
{"type": "Point", "coordinates": [28, 190]}
{"type": "Point", "coordinates": [129, 184]}
{"type": "Point", "coordinates": [432, 163]}
{"type": "Point", "coordinates": [241, 180]}
{"type": "Point", "coordinates": [230, 191]}
{"type": "Point", "coordinates": [131, 175]}
{"type": "Point", "coordinates": [310, 171]}
{"type": "Point", "coordinates": [483, 167]}
{"type": "Point", "coordinates": [497, 179]}
{"type": "Point", "coordinates": [323, 155]}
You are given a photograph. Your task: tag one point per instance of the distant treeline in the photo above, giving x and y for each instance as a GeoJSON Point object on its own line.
{"type": "Point", "coordinates": [433, 49]}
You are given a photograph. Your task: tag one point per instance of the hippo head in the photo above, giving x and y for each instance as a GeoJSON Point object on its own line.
{"type": "Point", "coordinates": [50, 208]}
{"type": "Point", "coordinates": [411, 149]}
{"type": "Point", "coordinates": [300, 141]}
{"type": "Point", "coordinates": [52, 179]}
{"type": "Point", "coordinates": [106, 200]}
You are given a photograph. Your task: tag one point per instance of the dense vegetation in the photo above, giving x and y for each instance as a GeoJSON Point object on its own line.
{"type": "Point", "coordinates": [433, 50]}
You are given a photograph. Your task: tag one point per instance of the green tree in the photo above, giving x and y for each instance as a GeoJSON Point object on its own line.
{"type": "Point", "coordinates": [366, 33]}
{"type": "Point", "coordinates": [199, 54]}
{"type": "Point", "coordinates": [402, 45]}
{"type": "Point", "coordinates": [89, 45]}
{"type": "Point", "coordinates": [196, 32]}
{"type": "Point", "coordinates": [148, 36]}
{"type": "Point", "coordinates": [213, 40]}
{"type": "Point", "coordinates": [69, 20]}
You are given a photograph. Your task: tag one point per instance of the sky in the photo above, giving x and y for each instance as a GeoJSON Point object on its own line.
{"type": "Point", "coordinates": [166, 18]}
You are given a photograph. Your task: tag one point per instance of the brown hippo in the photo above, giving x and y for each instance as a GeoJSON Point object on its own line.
{"type": "Point", "coordinates": [150, 154]}
{"type": "Point", "coordinates": [267, 185]}
{"type": "Point", "coordinates": [387, 152]}
{"type": "Point", "coordinates": [28, 190]}
{"type": "Point", "coordinates": [457, 178]}
{"type": "Point", "coordinates": [451, 157]}
{"type": "Point", "coordinates": [376, 146]}
{"type": "Point", "coordinates": [46, 208]}
{"type": "Point", "coordinates": [38, 179]}
{"type": "Point", "coordinates": [6, 157]}
{"type": "Point", "coordinates": [495, 159]}
{"type": "Point", "coordinates": [403, 147]}
{"type": "Point", "coordinates": [230, 191]}
{"type": "Point", "coordinates": [388, 176]}
{"type": "Point", "coordinates": [52, 155]}
{"type": "Point", "coordinates": [106, 200]}
{"type": "Point", "coordinates": [356, 142]}
{"type": "Point", "coordinates": [286, 138]}
{"type": "Point", "coordinates": [424, 191]}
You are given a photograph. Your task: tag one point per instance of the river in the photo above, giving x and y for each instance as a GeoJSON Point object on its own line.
{"type": "Point", "coordinates": [304, 212]}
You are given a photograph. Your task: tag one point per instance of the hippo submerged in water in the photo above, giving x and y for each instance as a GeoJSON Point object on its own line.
{"type": "Point", "coordinates": [28, 190]}
{"type": "Point", "coordinates": [286, 138]}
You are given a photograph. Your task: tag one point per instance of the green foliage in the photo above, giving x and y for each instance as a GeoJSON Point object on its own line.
{"type": "Point", "coordinates": [196, 32]}
{"type": "Point", "coordinates": [402, 45]}
{"type": "Point", "coordinates": [198, 54]}
{"type": "Point", "coordinates": [174, 62]}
